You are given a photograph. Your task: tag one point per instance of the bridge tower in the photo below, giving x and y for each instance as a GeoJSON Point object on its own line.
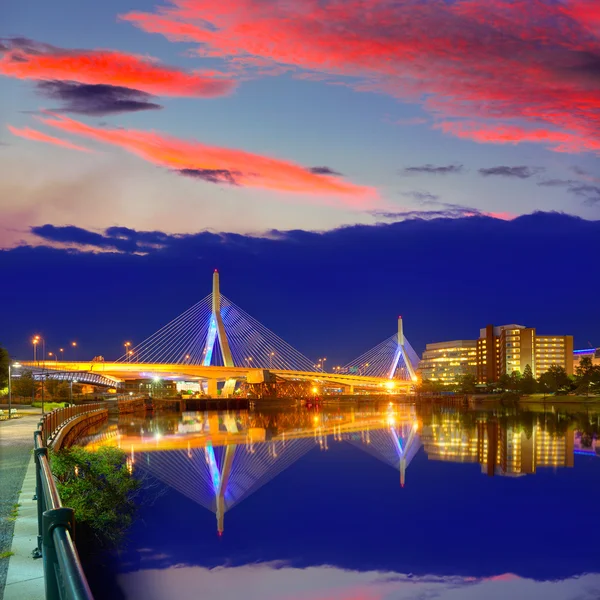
{"type": "Point", "coordinates": [216, 330]}
{"type": "Point", "coordinates": [401, 351]}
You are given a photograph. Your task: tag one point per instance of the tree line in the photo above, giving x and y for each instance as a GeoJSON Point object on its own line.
{"type": "Point", "coordinates": [585, 381]}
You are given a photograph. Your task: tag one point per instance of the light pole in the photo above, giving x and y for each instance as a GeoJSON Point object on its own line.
{"type": "Point", "coordinates": [10, 367]}
{"type": "Point", "coordinates": [74, 346]}
{"type": "Point", "coordinates": [271, 360]}
{"type": "Point", "coordinates": [53, 356]}
{"type": "Point", "coordinates": [127, 344]}
{"type": "Point", "coordinates": [62, 354]}
{"type": "Point", "coordinates": [71, 390]}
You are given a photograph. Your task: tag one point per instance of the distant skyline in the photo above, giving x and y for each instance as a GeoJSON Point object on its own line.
{"type": "Point", "coordinates": [192, 116]}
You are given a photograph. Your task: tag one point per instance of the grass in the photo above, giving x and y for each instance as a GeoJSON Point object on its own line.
{"type": "Point", "coordinates": [6, 554]}
{"type": "Point", "coordinates": [14, 513]}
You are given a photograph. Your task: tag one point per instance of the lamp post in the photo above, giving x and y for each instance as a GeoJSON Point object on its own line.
{"type": "Point", "coordinates": [62, 354]}
{"type": "Point", "coordinates": [10, 367]}
{"type": "Point", "coordinates": [127, 344]}
{"type": "Point", "coordinates": [74, 346]}
{"type": "Point", "coordinates": [271, 360]}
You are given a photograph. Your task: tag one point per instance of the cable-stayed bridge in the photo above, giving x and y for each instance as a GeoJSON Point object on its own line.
{"type": "Point", "coordinates": [217, 343]}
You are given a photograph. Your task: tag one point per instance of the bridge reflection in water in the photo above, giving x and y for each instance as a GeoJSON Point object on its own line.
{"type": "Point", "coordinates": [219, 459]}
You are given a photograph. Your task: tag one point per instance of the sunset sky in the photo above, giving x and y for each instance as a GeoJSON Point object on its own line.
{"type": "Point", "coordinates": [176, 117]}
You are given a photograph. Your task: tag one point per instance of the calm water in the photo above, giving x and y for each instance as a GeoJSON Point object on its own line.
{"type": "Point", "coordinates": [360, 502]}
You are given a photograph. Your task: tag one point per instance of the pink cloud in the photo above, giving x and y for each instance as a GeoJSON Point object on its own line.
{"type": "Point", "coordinates": [38, 136]}
{"type": "Point", "coordinates": [532, 64]}
{"type": "Point", "coordinates": [220, 165]}
{"type": "Point", "coordinates": [39, 61]}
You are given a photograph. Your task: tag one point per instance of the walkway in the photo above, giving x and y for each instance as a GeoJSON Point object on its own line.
{"type": "Point", "coordinates": [16, 443]}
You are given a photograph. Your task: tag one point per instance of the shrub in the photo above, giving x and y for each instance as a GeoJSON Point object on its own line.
{"type": "Point", "coordinates": [100, 488]}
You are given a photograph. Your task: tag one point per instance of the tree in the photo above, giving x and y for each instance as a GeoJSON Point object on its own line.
{"type": "Point", "coordinates": [467, 384]}
{"type": "Point", "coordinates": [504, 382]}
{"type": "Point", "coordinates": [515, 381]}
{"type": "Point", "coordinates": [4, 362]}
{"type": "Point", "coordinates": [427, 386]}
{"type": "Point", "coordinates": [527, 384]}
{"type": "Point", "coordinates": [554, 379]}
{"type": "Point", "coordinates": [586, 375]}
{"type": "Point", "coordinates": [25, 385]}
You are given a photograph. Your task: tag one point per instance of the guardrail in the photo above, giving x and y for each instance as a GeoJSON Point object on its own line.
{"type": "Point", "coordinates": [64, 578]}
{"type": "Point", "coordinates": [52, 422]}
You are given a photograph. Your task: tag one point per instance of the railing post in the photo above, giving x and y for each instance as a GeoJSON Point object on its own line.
{"type": "Point", "coordinates": [39, 495]}
{"type": "Point", "coordinates": [57, 517]}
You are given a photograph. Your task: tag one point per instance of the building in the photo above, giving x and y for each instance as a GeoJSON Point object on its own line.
{"type": "Point", "coordinates": [593, 353]}
{"type": "Point", "coordinates": [510, 348]}
{"type": "Point", "coordinates": [446, 362]}
{"type": "Point", "coordinates": [502, 446]}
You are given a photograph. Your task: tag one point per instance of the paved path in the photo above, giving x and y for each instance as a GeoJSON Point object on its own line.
{"type": "Point", "coordinates": [16, 444]}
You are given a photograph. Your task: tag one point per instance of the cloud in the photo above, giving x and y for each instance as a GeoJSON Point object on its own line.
{"type": "Point", "coordinates": [557, 182]}
{"type": "Point", "coordinates": [433, 169]}
{"type": "Point", "coordinates": [495, 71]}
{"type": "Point", "coordinates": [521, 172]}
{"type": "Point", "coordinates": [323, 171]}
{"type": "Point", "coordinates": [97, 99]}
{"type": "Point", "coordinates": [38, 136]}
{"type": "Point", "coordinates": [446, 210]}
{"type": "Point", "coordinates": [212, 175]}
{"type": "Point", "coordinates": [559, 141]}
{"type": "Point", "coordinates": [26, 59]}
{"type": "Point", "coordinates": [421, 196]}
{"type": "Point", "coordinates": [200, 160]}
{"type": "Point", "coordinates": [77, 236]}
{"type": "Point", "coordinates": [588, 192]}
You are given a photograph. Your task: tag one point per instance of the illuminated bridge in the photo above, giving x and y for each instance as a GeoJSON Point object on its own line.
{"type": "Point", "coordinates": [216, 343]}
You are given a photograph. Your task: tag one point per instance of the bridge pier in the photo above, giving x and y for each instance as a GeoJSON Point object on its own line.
{"type": "Point", "coordinates": [229, 388]}
{"type": "Point", "coordinates": [212, 388]}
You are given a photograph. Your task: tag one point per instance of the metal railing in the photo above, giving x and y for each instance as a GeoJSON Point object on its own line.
{"type": "Point", "coordinates": [52, 422]}
{"type": "Point", "coordinates": [64, 578]}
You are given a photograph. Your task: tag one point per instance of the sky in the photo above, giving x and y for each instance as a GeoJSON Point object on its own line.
{"type": "Point", "coordinates": [133, 132]}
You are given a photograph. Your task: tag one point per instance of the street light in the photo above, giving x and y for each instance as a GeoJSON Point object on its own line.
{"type": "Point", "coordinates": [53, 355]}
{"type": "Point", "coordinates": [10, 367]}
{"type": "Point", "coordinates": [62, 354]}
{"type": "Point", "coordinates": [271, 360]}
{"type": "Point", "coordinates": [74, 346]}
{"type": "Point", "coordinates": [36, 340]}
{"type": "Point", "coordinates": [127, 344]}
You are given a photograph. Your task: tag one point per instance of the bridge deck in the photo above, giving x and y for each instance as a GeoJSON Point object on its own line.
{"type": "Point", "coordinates": [123, 371]}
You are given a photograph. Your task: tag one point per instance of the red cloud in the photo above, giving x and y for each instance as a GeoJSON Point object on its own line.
{"type": "Point", "coordinates": [525, 63]}
{"type": "Point", "coordinates": [38, 136]}
{"type": "Point", "coordinates": [40, 61]}
{"type": "Point", "coordinates": [245, 168]}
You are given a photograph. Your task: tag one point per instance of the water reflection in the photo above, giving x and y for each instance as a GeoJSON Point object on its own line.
{"type": "Point", "coordinates": [218, 459]}
{"type": "Point", "coordinates": [482, 503]}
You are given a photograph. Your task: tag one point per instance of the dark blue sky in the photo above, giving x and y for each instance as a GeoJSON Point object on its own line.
{"type": "Point", "coordinates": [332, 294]}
